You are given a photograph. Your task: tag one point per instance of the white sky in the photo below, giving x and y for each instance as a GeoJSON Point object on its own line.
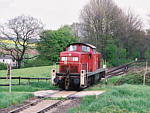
{"type": "Point", "coordinates": [55, 13]}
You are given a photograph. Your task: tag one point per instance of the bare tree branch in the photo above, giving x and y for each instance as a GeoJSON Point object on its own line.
{"type": "Point", "coordinates": [20, 30]}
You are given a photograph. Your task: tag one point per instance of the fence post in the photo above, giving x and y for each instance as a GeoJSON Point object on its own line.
{"type": "Point", "coordinates": [10, 79]}
{"type": "Point", "coordinates": [145, 74]}
{"type": "Point", "coordinates": [19, 80]}
{"type": "Point", "coordinates": [29, 81]}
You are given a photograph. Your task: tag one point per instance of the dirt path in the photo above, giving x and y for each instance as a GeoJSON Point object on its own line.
{"type": "Point", "coordinates": [69, 99]}
{"type": "Point", "coordinates": [39, 106]}
{"type": "Point", "coordinates": [64, 107]}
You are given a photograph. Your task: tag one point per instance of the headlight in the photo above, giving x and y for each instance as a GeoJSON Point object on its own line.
{"type": "Point", "coordinates": [75, 59]}
{"type": "Point", "coordinates": [63, 58]}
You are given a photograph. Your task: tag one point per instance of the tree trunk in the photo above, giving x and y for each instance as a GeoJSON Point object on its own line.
{"type": "Point", "coordinates": [19, 64]}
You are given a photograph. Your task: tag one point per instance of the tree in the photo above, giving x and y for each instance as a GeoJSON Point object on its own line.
{"type": "Point", "coordinates": [122, 56]}
{"type": "Point", "coordinates": [20, 30]}
{"type": "Point", "coordinates": [52, 42]}
{"type": "Point", "coordinates": [111, 54]}
{"type": "Point", "coordinates": [105, 23]}
{"type": "Point", "coordinates": [147, 55]}
{"type": "Point", "coordinates": [101, 19]}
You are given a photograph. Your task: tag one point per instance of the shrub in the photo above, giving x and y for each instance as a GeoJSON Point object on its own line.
{"type": "Point", "coordinates": [2, 66]}
{"type": "Point", "coordinates": [147, 55]}
{"type": "Point", "coordinates": [111, 54]}
{"type": "Point", "coordinates": [36, 63]}
{"type": "Point", "coordinates": [122, 56]}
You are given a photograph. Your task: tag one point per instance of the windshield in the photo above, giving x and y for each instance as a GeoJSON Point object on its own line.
{"type": "Point", "coordinates": [72, 48]}
{"type": "Point", "coordinates": [85, 48]}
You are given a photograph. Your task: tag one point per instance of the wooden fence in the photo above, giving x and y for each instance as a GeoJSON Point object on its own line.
{"type": "Point", "coordinates": [22, 78]}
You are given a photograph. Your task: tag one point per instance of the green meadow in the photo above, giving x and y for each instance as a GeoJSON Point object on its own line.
{"type": "Point", "coordinates": [117, 99]}
{"type": "Point", "coordinates": [23, 92]}
{"type": "Point", "coordinates": [124, 94]}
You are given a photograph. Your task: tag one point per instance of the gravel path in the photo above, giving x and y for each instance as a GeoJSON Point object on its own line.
{"type": "Point", "coordinates": [6, 110]}
{"type": "Point", "coordinates": [39, 106]}
{"type": "Point", "coordinates": [65, 106]}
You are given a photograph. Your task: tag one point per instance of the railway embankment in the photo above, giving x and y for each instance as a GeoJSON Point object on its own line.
{"type": "Point", "coordinates": [125, 93]}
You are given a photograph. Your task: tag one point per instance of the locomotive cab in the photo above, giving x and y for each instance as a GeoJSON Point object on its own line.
{"type": "Point", "coordinates": [76, 66]}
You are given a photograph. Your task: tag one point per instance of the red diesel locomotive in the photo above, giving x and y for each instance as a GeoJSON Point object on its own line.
{"type": "Point", "coordinates": [79, 67]}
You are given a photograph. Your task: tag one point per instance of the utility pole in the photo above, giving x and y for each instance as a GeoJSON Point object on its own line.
{"type": "Point", "coordinates": [9, 76]}
{"type": "Point", "coordinates": [10, 80]}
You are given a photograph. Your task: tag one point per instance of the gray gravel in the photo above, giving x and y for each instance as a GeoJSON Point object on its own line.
{"type": "Point", "coordinates": [64, 107]}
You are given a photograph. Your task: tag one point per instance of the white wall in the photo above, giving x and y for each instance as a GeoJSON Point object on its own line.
{"type": "Point", "coordinates": [8, 61]}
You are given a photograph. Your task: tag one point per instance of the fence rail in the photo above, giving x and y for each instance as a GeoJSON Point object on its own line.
{"type": "Point", "coordinates": [22, 78]}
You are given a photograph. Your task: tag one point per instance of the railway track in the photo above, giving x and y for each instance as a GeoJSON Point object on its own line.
{"type": "Point", "coordinates": [41, 105]}
{"type": "Point", "coordinates": [116, 71]}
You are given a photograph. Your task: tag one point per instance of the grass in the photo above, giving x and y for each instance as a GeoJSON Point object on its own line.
{"type": "Point", "coordinates": [23, 92]}
{"type": "Point", "coordinates": [102, 86]}
{"type": "Point", "coordinates": [51, 98]}
{"type": "Point", "coordinates": [43, 71]}
{"type": "Point", "coordinates": [118, 99]}
{"type": "Point", "coordinates": [15, 98]}
{"type": "Point", "coordinates": [134, 78]}
{"type": "Point", "coordinates": [34, 86]}
{"type": "Point", "coordinates": [129, 97]}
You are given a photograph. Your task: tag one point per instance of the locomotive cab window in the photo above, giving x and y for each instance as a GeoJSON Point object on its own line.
{"type": "Point", "coordinates": [94, 51]}
{"type": "Point", "coordinates": [85, 48]}
{"type": "Point", "coordinates": [72, 48]}
{"type": "Point", "coordinates": [88, 49]}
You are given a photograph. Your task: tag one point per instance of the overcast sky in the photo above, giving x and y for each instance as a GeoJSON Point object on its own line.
{"type": "Point", "coordinates": [55, 13]}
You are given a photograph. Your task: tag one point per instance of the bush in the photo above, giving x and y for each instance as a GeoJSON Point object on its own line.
{"type": "Point", "coordinates": [111, 54]}
{"type": "Point", "coordinates": [147, 55]}
{"type": "Point", "coordinates": [36, 63]}
{"type": "Point", "coordinates": [52, 42]}
{"type": "Point", "coordinates": [122, 56]}
{"type": "Point", "coordinates": [134, 78]}
{"type": "Point", "coordinates": [2, 66]}
{"type": "Point", "coordinates": [136, 54]}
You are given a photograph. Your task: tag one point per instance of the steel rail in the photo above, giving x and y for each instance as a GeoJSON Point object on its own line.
{"type": "Point", "coordinates": [58, 103]}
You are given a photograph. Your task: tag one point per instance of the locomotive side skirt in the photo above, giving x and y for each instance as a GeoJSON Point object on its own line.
{"type": "Point", "coordinates": [98, 71]}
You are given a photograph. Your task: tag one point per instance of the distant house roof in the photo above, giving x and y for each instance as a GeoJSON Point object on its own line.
{"type": "Point", "coordinates": [3, 38]}
{"type": "Point", "coordinates": [93, 47]}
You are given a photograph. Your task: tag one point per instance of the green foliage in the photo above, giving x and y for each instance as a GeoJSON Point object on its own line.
{"type": "Point", "coordinates": [147, 55]}
{"type": "Point", "coordinates": [135, 54]}
{"type": "Point", "coordinates": [43, 71]}
{"type": "Point", "coordinates": [119, 99]}
{"type": "Point", "coordinates": [111, 54]}
{"type": "Point", "coordinates": [115, 56]}
{"type": "Point", "coordinates": [2, 66]}
{"type": "Point", "coordinates": [6, 99]}
{"type": "Point", "coordinates": [35, 63]}
{"type": "Point", "coordinates": [102, 86]}
{"type": "Point", "coordinates": [23, 92]}
{"type": "Point", "coordinates": [134, 78]}
{"type": "Point", "coordinates": [52, 42]}
{"type": "Point", "coordinates": [122, 56]}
